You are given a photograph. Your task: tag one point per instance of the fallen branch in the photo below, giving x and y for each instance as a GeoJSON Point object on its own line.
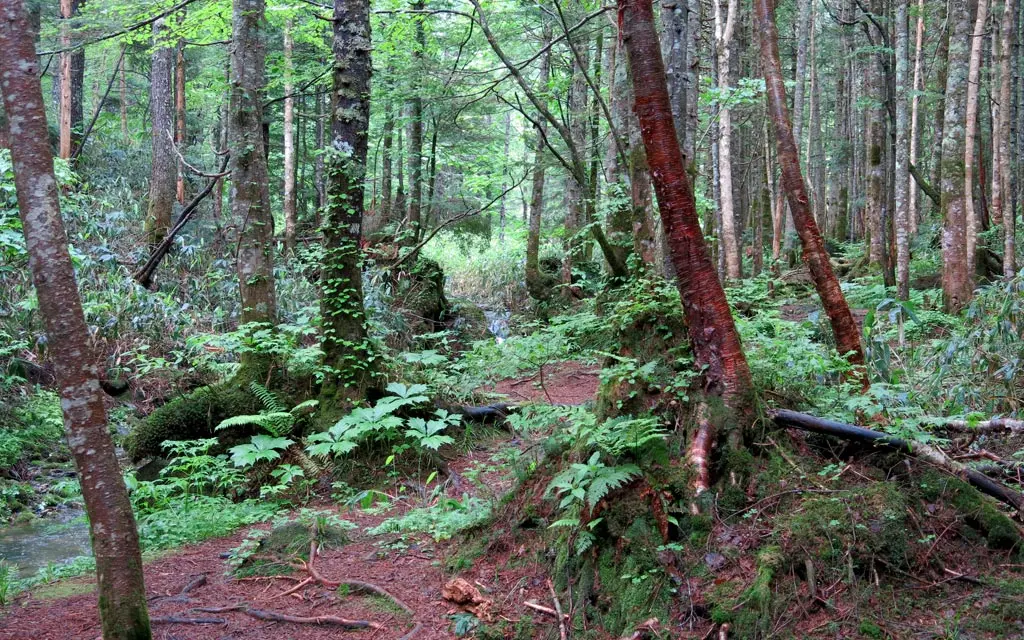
{"type": "Point", "coordinates": [180, 620]}
{"type": "Point", "coordinates": [539, 607]}
{"type": "Point", "coordinates": [414, 633]}
{"type": "Point", "coordinates": [558, 609]}
{"type": "Point", "coordinates": [144, 276]}
{"type": "Point", "coordinates": [980, 481]}
{"type": "Point", "coordinates": [372, 588]}
{"type": "Point", "coordinates": [987, 426]}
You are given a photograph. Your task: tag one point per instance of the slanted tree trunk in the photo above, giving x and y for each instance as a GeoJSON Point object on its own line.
{"type": "Point", "coordinates": [957, 278]}
{"type": "Point", "coordinates": [162, 173]}
{"type": "Point", "coordinates": [250, 201]}
{"type": "Point", "coordinates": [713, 336]}
{"type": "Point", "coordinates": [725, 28]}
{"type": "Point", "coordinates": [179, 118]}
{"type": "Point", "coordinates": [845, 329]}
{"type": "Point", "coordinates": [534, 279]}
{"type": "Point", "coordinates": [345, 344]}
{"type": "Point", "coordinates": [289, 204]}
{"type": "Point", "coordinates": [1003, 136]}
{"type": "Point", "coordinates": [973, 221]}
{"type": "Point", "coordinates": [902, 176]}
{"type": "Point", "coordinates": [115, 543]}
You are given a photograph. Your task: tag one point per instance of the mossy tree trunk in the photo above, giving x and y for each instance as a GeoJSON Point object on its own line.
{"type": "Point", "coordinates": [250, 198]}
{"type": "Point", "coordinates": [115, 542]}
{"type": "Point", "coordinates": [347, 352]}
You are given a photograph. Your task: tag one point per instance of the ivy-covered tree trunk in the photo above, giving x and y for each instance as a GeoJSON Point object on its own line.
{"type": "Point", "coordinates": [250, 199]}
{"type": "Point", "coordinates": [712, 332]}
{"type": "Point", "coordinates": [115, 542]}
{"type": "Point", "coordinates": [844, 328]}
{"type": "Point", "coordinates": [160, 203]}
{"type": "Point", "coordinates": [347, 352]}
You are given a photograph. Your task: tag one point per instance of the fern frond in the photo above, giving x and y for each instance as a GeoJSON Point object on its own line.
{"type": "Point", "coordinates": [607, 480]}
{"type": "Point", "coordinates": [269, 400]}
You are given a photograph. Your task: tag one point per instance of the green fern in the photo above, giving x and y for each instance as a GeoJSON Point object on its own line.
{"type": "Point", "coordinates": [607, 479]}
{"type": "Point", "coordinates": [270, 402]}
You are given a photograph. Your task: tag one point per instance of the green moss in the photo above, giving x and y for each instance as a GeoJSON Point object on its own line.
{"type": "Point", "coordinates": [633, 586]}
{"type": "Point", "coordinates": [870, 629]}
{"type": "Point", "coordinates": [999, 530]}
{"type": "Point", "coordinates": [191, 416]}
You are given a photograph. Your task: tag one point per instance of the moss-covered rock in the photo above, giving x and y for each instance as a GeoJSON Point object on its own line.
{"type": "Point", "coordinates": [192, 416]}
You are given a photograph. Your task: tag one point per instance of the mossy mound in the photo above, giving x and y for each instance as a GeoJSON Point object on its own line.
{"type": "Point", "coordinates": [189, 417]}
{"type": "Point", "coordinates": [287, 543]}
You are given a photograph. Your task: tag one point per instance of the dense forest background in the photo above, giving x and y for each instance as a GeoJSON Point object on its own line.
{"type": "Point", "coordinates": [493, 318]}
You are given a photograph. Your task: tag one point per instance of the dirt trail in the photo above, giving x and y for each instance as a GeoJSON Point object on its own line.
{"type": "Point", "coordinates": [409, 566]}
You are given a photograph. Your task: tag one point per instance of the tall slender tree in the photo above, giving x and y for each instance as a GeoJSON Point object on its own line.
{"type": "Point", "coordinates": [977, 40]}
{"type": "Point", "coordinates": [957, 278]}
{"type": "Point", "coordinates": [1007, 39]}
{"type": "Point", "coordinates": [534, 279]}
{"type": "Point", "coordinates": [115, 542]}
{"type": "Point", "coordinates": [901, 183]}
{"type": "Point", "coordinates": [725, 29]}
{"type": "Point", "coordinates": [290, 200]}
{"type": "Point", "coordinates": [162, 176]}
{"type": "Point", "coordinates": [250, 198]}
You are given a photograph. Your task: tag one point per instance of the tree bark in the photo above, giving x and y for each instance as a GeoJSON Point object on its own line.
{"type": "Point", "coordinates": [123, 90]}
{"type": "Point", "coordinates": [250, 201]}
{"type": "Point", "coordinates": [957, 278]}
{"type": "Point", "coordinates": [162, 173]}
{"type": "Point", "coordinates": [845, 329]}
{"type": "Point", "coordinates": [902, 176]}
{"type": "Point", "coordinates": [289, 204]}
{"type": "Point", "coordinates": [574, 189]}
{"type": "Point", "coordinates": [347, 351]}
{"type": "Point", "coordinates": [939, 118]}
{"type": "Point", "coordinates": [534, 279]}
{"type": "Point", "coordinates": [179, 118]}
{"type": "Point", "coordinates": [115, 543]}
{"type": "Point", "coordinates": [973, 222]}
{"type": "Point", "coordinates": [725, 27]}
{"type": "Point", "coordinates": [72, 71]}
{"type": "Point", "coordinates": [915, 106]}
{"type": "Point", "coordinates": [713, 335]}
{"type": "Point", "coordinates": [502, 209]}
{"type": "Point", "coordinates": [1003, 139]}
{"type": "Point", "coordinates": [387, 166]}
{"type": "Point", "coordinates": [416, 131]}
{"type": "Point", "coordinates": [876, 196]}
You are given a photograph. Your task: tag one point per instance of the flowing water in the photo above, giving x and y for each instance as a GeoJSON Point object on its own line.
{"type": "Point", "coordinates": [36, 544]}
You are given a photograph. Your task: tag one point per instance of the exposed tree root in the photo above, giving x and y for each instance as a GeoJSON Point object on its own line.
{"type": "Point", "coordinates": [699, 453]}
{"type": "Point", "coordinates": [414, 633]}
{"type": "Point", "coordinates": [274, 616]}
{"type": "Point", "coordinates": [372, 588]}
{"type": "Point", "coordinates": [558, 610]}
{"type": "Point", "coordinates": [980, 481]}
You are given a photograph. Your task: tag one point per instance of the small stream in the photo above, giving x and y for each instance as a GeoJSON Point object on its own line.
{"type": "Point", "coordinates": [36, 544]}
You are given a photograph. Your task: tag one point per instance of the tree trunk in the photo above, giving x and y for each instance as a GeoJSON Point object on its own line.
{"type": "Point", "coordinates": [939, 119]}
{"type": "Point", "coordinates": [902, 177]}
{"type": "Point", "coordinates": [416, 131]}
{"type": "Point", "coordinates": [179, 118]}
{"type": "Point", "coordinates": [387, 166]}
{"type": "Point", "coordinates": [915, 126]}
{"type": "Point", "coordinates": [1003, 138]}
{"type": "Point", "coordinates": [347, 351]}
{"type": "Point", "coordinates": [725, 27]}
{"type": "Point", "coordinates": [973, 221]}
{"type": "Point", "coordinates": [318, 166]}
{"type": "Point", "coordinates": [534, 279]}
{"type": "Point", "coordinates": [574, 189]}
{"type": "Point", "coordinates": [712, 332]}
{"type": "Point", "coordinates": [502, 208]}
{"type": "Point", "coordinates": [250, 201]}
{"type": "Point", "coordinates": [123, 89]}
{"type": "Point", "coordinates": [815, 158]}
{"type": "Point", "coordinates": [957, 278]}
{"type": "Point", "coordinates": [290, 215]}
{"type": "Point", "coordinates": [162, 173]}
{"type": "Point", "coordinates": [72, 71]}
{"type": "Point", "coordinates": [115, 542]}
{"type": "Point", "coordinates": [845, 329]}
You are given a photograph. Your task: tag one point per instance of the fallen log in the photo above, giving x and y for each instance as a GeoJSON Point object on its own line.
{"type": "Point", "coordinates": [273, 616]}
{"type": "Point", "coordinates": [180, 620]}
{"type": "Point", "coordinates": [988, 486]}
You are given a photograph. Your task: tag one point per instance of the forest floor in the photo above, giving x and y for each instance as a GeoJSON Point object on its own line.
{"type": "Point", "coordinates": [409, 566]}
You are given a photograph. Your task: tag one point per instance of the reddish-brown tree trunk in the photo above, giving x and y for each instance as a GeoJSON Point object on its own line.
{"type": "Point", "coordinates": [844, 327]}
{"type": "Point", "coordinates": [713, 335]}
{"type": "Point", "coordinates": [115, 543]}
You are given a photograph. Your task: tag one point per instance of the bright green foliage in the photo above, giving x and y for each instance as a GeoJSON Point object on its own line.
{"type": "Point", "coordinates": [428, 434]}
{"type": "Point", "coordinates": [443, 520]}
{"type": "Point", "coordinates": [260, 448]}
